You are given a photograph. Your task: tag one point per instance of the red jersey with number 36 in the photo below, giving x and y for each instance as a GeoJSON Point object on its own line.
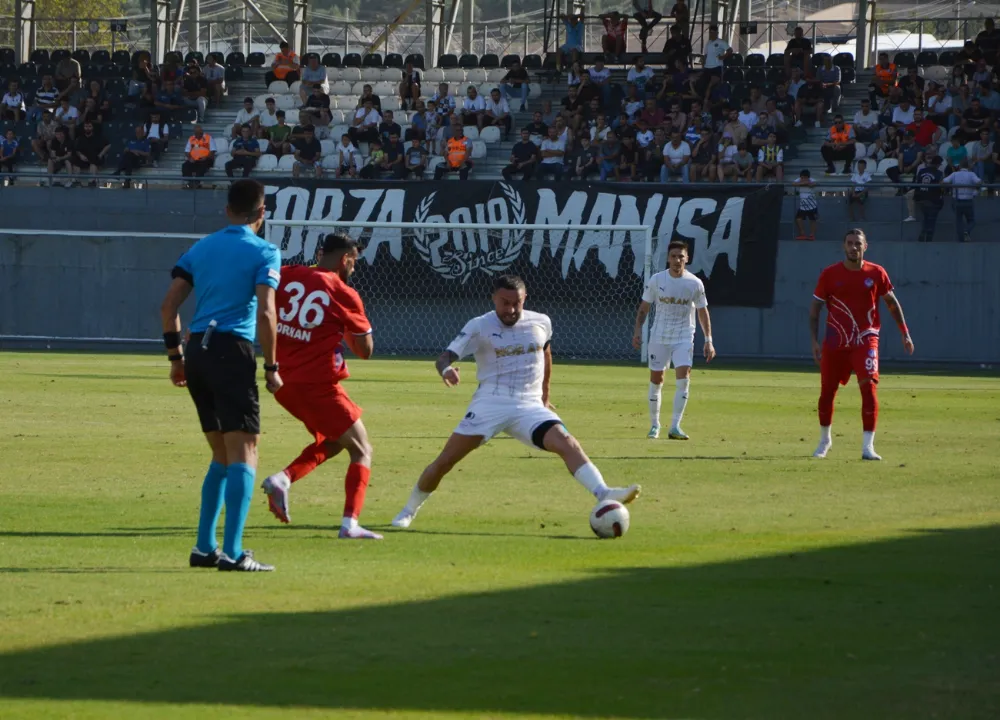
{"type": "Point", "coordinates": [851, 298]}
{"type": "Point", "coordinates": [315, 310]}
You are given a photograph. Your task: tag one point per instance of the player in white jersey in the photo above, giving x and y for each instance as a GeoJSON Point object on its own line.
{"type": "Point", "coordinates": [678, 296]}
{"type": "Point", "coordinates": [513, 352]}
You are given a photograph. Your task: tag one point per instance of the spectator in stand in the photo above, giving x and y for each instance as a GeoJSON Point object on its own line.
{"type": "Point", "coordinates": [808, 206]}
{"type": "Point", "coordinates": [973, 120]}
{"type": "Point", "coordinates": [415, 160]}
{"type": "Point", "coordinates": [628, 165]}
{"type": "Point", "coordinates": [909, 158]}
{"type": "Point", "coordinates": [639, 75]}
{"type": "Point", "coordinates": [781, 123]}
{"type": "Point", "coordinates": [866, 123]}
{"type": "Point", "coordinates": [600, 76]}
{"type": "Point", "coordinates": [599, 133]}
{"type": "Point", "coordinates": [610, 155]}
{"type": "Point", "coordinates": [585, 160]}
{"type": "Point", "coordinates": [726, 157]}
{"type": "Point", "coordinates": [458, 155]}
{"type": "Point", "coordinates": [966, 186]}
{"type": "Point", "coordinates": [988, 41]}
{"type": "Point", "coordinates": [681, 14]}
{"type": "Point", "coordinates": [798, 51]}
{"type": "Point", "coordinates": [989, 98]}
{"type": "Point", "coordinates": [95, 95]}
{"type": "Point", "coordinates": [925, 132]}
{"type": "Point", "coordinates": [199, 156]}
{"type": "Point", "coordinates": [279, 136]}
{"type": "Point", "coordinates": [317, 107]}
{"type": "Point", "coordinates": [516, 84]}
{"type": "Point", "coordinates": [676, 117]}
{"type": "Point", "coordinates": [586, 93]}
{"type": "Point", "coordinates": [644, 136]}
{"type": "Point", "coordinates": [968, 56]}
{"type": "Point", "coordinates": [68, 76]}
{"type": "Point", "coordinates": [810, 98]}
{"type": "Point", "coordinates": [376, 161]}
{"type": "Point", "coordinates": [889, 105]}
{"type": "Point", "coordinates": [676, 158]}
{"type": "Point", "coordinates": [771, 160]}
{"type": "Point", "coordinates": [9, 148]}
{"type": "Point", "coordinates": [12, 104]}
{"type": "Point", "coordinates": [366, 95]}
{"type": "Point", "coordinates": [903, 114]}
{"type": "Point", "coordinates": [758, 101]}
{"type": "Point", "coordinates": [653, 116]}
{"type": "Point", "coordinates": [720, 99]}
{"type": "Point", "coordinates": [537, 130]}
{"type": "Point", "coordinates": [981, 157]}
{"type": "Point", "coordinates": [313, 76]}
{"type": "Point", "coordinates": [418, 123]}
{"type": "Point", "coordinates": [553, 155]}
{"type": "Point", "coordinates": [157, 133]}
{"type": "Point", "coordinates": [981, 74]}
{"type": "Point", "coordinates": [929, 196]}
{"type": "Point", "coordinates": [744, 161]}
{"type": "Point", "coordinates": [735, 129]}
{"type": "Point", "coordinates": [760, 133]}
{"type": "Point", "coordinates": [45, 98]}
{"type": "Point", "coordinates": [444, 101]}
{"type": "Point", "coordinates": [651, 155]}
{"type": "Point", "coordinates": [956, 155]}
{"type": "Point", "coordinates": [632, 104]}
{"type": "Point", "coordinates": [364, 126]}
{"type": "Point", "coordinates": [677, 50]}
{"type": "Point", "coordinates": [571, 50]}
{"type": "Point", "coordinates": [347, 158]}
{"type": "Point", "coordinates": [523, 157]}
{"type": "Point", "coordinates": [268, 118]}
{"type": "Point", "coordinates": [409, 87]}
{"type": "Point", "coordinates": [169, 100]}
{"type": "Point", "coordinates": [195, 90]}
{"type": "Point", "coordinates": [45, 131]}
{"type": "Point", "coordinates": [248, 115]}
{"type": "Point", "coordinates": [90, 114]}
{"type": "Point", "coordinates": [748, 117]}
{"type": "Point", "coordinates": [395, 156]}
{"type": "Point", "coordinates": [89, 152]}
{"type": "Point", "coordinates": [171, 72]}
{"type": "Point", "coordinates": [885, 77]}
{"type": "Point", "coordinates": [473, 108]}
{"type": "Point", "coordinates": [575, 74]}
{"type": "Point", "coordinates": [615, 32]}
{"type": "Point", "coordinates": [795, 83]}
{"type": "Point", "coordinates": [857, 194]}
{"type": "Point", "coordinates": [839, 145]}
{"type": "Point", "coordinates": [245, 151]}
{"type": "Point", "coordinates": [939, 108]}
{"type": "Point", "coordinates": [309, 153]}
{"type": "Point", "coordinates": [548, 114]}
{"type": "Point", "coordinates": [912, 87]}
{"type": "Point", "coordinates": [703, 157]}
{"type": "Point", "coordinates": [215, 77]}
{"type": "Point", "coordinates": [717, 51]}
{"type": "Point", "coordinates": [647, 18]}
{"type": "Point", "coordinates": [829, 76]}
{"type": "Point", "coordinates": [60, 154]}
{"type": "Point", "coordinates": [387, 128]}
{"type": "Point", "coordinates": [285, 66]}
{"type": "Point", "coordinates": [67, 117]}
{"type": "Point", "coordinates": [497, 113]}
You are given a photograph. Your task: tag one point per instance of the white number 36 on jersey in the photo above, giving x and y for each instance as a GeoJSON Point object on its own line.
{"type": "Point", "coordinates": [308, 313]}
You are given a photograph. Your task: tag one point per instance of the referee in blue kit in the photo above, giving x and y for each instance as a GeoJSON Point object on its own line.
{"type": "Point", "coordinates": [234, 275]}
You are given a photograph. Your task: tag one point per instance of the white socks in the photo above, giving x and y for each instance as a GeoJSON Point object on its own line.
{"type": "Point", "coordinates": [349, 523]}
{"type": "Point", "coordinates": [680, 401]}
{"type": "Point", "coordinates": [825, 434]}
{"type": "Point", "coordinates": [417, 498]}
{"type": "Point", "coordinates": [868, 441]}
{"type": "Point", "coordinates": [655, 398]}
{"type": "Point", "coordinates": [590, 477]}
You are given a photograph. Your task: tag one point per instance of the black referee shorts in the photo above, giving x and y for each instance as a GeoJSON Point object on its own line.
{"type": "Point", "coordinates": [222, 380]}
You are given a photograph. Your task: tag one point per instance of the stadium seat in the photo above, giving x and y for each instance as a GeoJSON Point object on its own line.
{"type": "Point", "coordinates": [471, 132]}
{"type": "Point", "coordinates": [39, 56]}
{"type": "Point", "coordinates": [391, 74]}
{"type": "Point", "coordinates": [267, 163]}
{"type": "Point", "coordinates": [389, 102]}
{"type": "Point", "coordinates": [432, 76]}
{"type": "Point", "coordinates": [174, 56]}
{"type": "Point", "coordinates": [490, 134]}
{"type": "Point", "coordinates": [819, 58]}
{"type": "Point", "coordinates": [221, 159]}
{"type": "Point", "coordinates": [330, 60]}
{"type": "Point", "coordinates": [468, 60]}
{"type": "Point", "coordinates": [327, 146]}
{"type": "Point", "coordinates": [385, 89]}
{"type": "Point", "coordinates": [843, 60]}
{"type": "Point", "coordinates": [278, 87]}
{"type": "Point", "coordinates": [454, 75]}
{"type": "Point", "coordinates": [448, 61]}
{"type": "Point", "coordinates": [336, 115]}
{"type": "Point", "coordinates": [352, 60]}
{"type": "Point", "coordinates": [371, 74]}
{"type": "Point", "coordinates": [338, 131]}
{"type": "Point", "coordinates": [928, 58]}
{"type": "Point", "coordinates": [774, 75]}
{"type": "Point", "coordinates": [234, 72]}
{"type": "Point", "coordinates": [532, 62]}
{"type": "Point", "coordinates": [755, 60]}
{"type": "Point", "coordinates": [236, 59]}
{"type": "Point", "coordinates": [509, 60]}
{"type": "Point", "coordinates": [775, 60]}
{"type": "Point", "coordinates": [263, 144]}
{"type": "Point", "coordinates": [340, 87]}
{"type": "Point", "coordinates": [417, 59]}
{"type": "Point", "coordinates": [938, 74]}
{"type": "Point", "coordinates": [394, 60]}
{"type": "Point", "coordinates": [295, 87]}
{"type": "Point", "coordinates": [7, 55]}
{"type": "Point", "coordinates": [905, 60]}
{"type": "Point", "coordinates": [285, 163]}
{"type": "Point", "coordinates": [496, 75]}
{"type": "Point", "coordinates": [358, 88]}
{"type": "Point", "coordinates": [349, 73]}
{"type": "Point", "coordinates": [28, 69]}
{"type": "Point", "coordinates": [256, 59]}
{"type": "Point", "coordinates": [948, 57]}
{"type": "Point", "coordinates": [489, 61]}
{"type": "Point", "coordinates": [372, 60]}
{"type": "Point", "coordinates": [848, 75]}
{"type": "Point", "coordinates": [476, 75]}
{"type": "Point", "coordinates": [219, 57]}
{"type": "Point", "coordinates": [734, 60]}
{"type": "Point", "coordinates": [123, 57]}
{"type": "Point", "coordinates": [292, 117]}
{"type": "Point", "coordinates": [478, 149]}
{"type": "Point", "coordinates": [286, 102]}
{"type": "Point", "coordinates": [195, 55]}
{"type": "Point", "coordinates": [885, 165]}
{"type": "Point", "coordinates": [82, 56]}
{"type": "Point", "coordinates": [754, 76]}
{"type": "Point", "coordinates": [59, 55]}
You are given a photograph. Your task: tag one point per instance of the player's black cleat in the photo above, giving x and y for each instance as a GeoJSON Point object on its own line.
{"type": "Point", "coordinates": [199, 559]}
{"type": "Point", "coordinates": [244, 563]}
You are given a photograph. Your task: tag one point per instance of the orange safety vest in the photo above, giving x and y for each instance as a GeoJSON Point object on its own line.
{"type": "Point", "coordinates": [885, 76]}
{"type": "Point", "coordinates": [201, 147]}
{"type": "Point", "coordinates": [841, 138]}
{"type": "Point", "coordinates": [284, 63]}
{"type": "Point", "coordinates": [458, 151]}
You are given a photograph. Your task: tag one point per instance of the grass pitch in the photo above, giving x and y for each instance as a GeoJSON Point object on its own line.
{"type": "Point", "coordinates": [754, 583]}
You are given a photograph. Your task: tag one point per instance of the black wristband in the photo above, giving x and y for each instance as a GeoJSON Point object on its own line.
{"type": "Point", "coordinates": [175, 357]}
{"type": "Point", "coordinates": [172, 340]}
{"type": "Point", "coordinates": [271, 368]}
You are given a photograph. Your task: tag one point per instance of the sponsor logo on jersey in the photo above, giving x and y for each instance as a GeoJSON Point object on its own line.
{"type": "Point", "coordinates": [872, 352]}
{"type": "Point", "coordinates": [869, 282]}
{"type": "Point", "coordinates": [511, 350]}
{"type": "Point", "coordinates": [675, 301]}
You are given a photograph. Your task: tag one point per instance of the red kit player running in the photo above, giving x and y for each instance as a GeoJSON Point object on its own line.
{"type": "Point", "coordinates": [851, 291]}
{"type": "Point", "coordinates": [317, 311]}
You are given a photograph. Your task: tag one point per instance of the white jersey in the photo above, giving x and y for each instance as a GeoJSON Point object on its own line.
{"type": "Point", "coordinates": [674, 301]}
{"type": "Point", "coordinates": [510, 360]}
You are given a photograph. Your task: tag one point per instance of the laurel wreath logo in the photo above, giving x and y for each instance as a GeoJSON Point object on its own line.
{"type": "Point", "coordinates": [460, 265]}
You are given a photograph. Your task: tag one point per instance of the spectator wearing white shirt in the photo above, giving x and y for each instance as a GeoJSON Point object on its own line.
{"type": "Point", "coordinates": [215, 76]}
{"type": "Point", "coordinates": [965, 209]}
{"type": "Point", "coordinates": [747, 116]}
{"type": "Point", "coordinates": [158, 134]}
{"type": "Point", "coordinates": [364, 125]}
{"type": "Point", "coordinates": [981, 156]}
{"type": "Point", "coordinates": [639, 75]}
{"type": "Point", "coordinates": [857, 195]}
{"type": "Point", "coordinates": [939, 109]}
{"type": "Point", "coordinates": [676, 158]}
{"type": "Point", "coordinates": [643, 135]}
{"type": "Point", "coordinates": [67, 116]}
{"type": "Point", "coordinates": [600, 77]}
{"type": "Point", "coordinates": [268, 118]}
{"type": "Point", "coordinates": [553, 153]}
{"type": "Point", "coordinates": [348, 158]}
{"type": "Point", "coordinates": [496, 112]}
{"type": "Point", "coordinates": [866, 123]}
{"type": "Point", "coordinates": [902, 115]}
{"type": "Point", "coordinates": [12, 105]}
{"type": "Point", "coordinates": [717, 51]}
{"type": "Point", "coordinates": [248, 115]}
{"type": "Point", "coordinates": [473, 107]}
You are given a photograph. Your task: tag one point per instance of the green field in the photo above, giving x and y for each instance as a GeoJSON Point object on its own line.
{"type": "Point", "coordinates": [755, 582]}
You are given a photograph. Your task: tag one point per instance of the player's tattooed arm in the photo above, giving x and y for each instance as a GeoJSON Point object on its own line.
{"type": "Point", "coordinates": [640, 318]}
{"type": "Point", "coordinates": [896, 310]}
{"type": "Point", "coordinates": [444, 368]}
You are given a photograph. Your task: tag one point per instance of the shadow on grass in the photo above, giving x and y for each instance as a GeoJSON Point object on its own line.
{"type": "Point", "coordinates": [905, 628]}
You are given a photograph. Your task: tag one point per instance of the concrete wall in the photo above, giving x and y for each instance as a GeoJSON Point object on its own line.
{"type": "Point", "coordinates": [66, 286]}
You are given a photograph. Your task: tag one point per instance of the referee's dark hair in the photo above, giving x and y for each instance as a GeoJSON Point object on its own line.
{"type": "Point", "coordinates": [509, 282]}
{"type": "Point", "coordinates": [245, 197]}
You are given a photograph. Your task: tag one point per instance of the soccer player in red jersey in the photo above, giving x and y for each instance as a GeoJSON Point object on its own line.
{"type": "Point", "coordinates": [850, 290]}
{"type": "Point", "coordinates": [317, 311]}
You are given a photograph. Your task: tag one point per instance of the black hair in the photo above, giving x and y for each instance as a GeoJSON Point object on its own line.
{"type": "Point", "coordinates": [509, 282]}
{"type": "Point", "coordinates": [338, 242]}
{"type": "Point", "coordinates": [678, 245]}
{"type": "Point", "coordinates": [245, 196]}
{"type": "Point", "coordinates": [856, 231]}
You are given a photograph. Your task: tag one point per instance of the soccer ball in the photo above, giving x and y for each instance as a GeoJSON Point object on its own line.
{"type": "Point", "coordinates": [609, 519]}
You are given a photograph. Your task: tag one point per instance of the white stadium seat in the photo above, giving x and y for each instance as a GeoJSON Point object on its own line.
{"type": "Point", "coordinates": [393, 75]}
{"type": "Point", "coordinates": [454, 75]}
{"type": "Point", "coordinates": [490, 134]}
{"type": "Point", "coordinates": [337, 132]}
{"type": "Point", "coordinates": [390, 102]}
{"type": "Point", "coordinates": [471, 132]}
{"type": "Point", "coordinates": [385, 89]}
{"type": "Point", "coordinates": [286, 102]}
{"type": "Point", "coordinates": [432, 75]}
{"type": "Point", "coordinates": [485, 89]}
{"type": "Point", "coordinates": [885, 165]}
{"type": "Point", "coordinates": [267, 163]}
{"type": "Point", "coordinates": [329, 162]}
{"type": "Point", "coordinates": [341, 87]}
{"type": "Point", "coordinates": [221, 146]}
{"type": "Point", "coordinates": [220, 161]}
{"type": "Point", "coordinates": [292, 117]}
{"type": "Point", "coordinates": [278, 87]}
{"type": "Point", "coordinates": [259, 101]}
{"type": "Point", "coordinates": [371, 74]}
{"type": "Point", "coordinates": [350, 74]}
{"type": "Point", "coordinates": [478, 149]}
{"type": "Point", "coordinates": [433, 162]}
{"type": "Point", "coordinates": [263, 145]}
{"type": "Point", "coordinates": [938, 74]}
{"type": "Point", "coordinates": [860, 151]}
{"type": "Point", "coordinates": [496, 75]}
{"type": "Point", "coordinates": [294, 87]}
{"type": "Point", "coordinates": [336, 117]}
{"type": "Point", "coordinates": [476, 75]}
{"type": "Point", "coordinates": [285, 163]}
{"type": "Point", "coordinates": [534, 90]}
{"type": "Point", "coordinates": [358, 88]}
{"type": "Point", "coordinates": [327, 146]}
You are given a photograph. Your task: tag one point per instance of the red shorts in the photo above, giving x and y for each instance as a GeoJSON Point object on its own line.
{"type": "Point", "coordinates": [326, 411]}
{"type": "Point", "coordinates": [836, 364]}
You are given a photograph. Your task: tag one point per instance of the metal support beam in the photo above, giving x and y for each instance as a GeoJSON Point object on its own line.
{"type": "Point", "coordinates": [433, 15]}
{"type": "Point", "coordinates": [467, 40]}
{"type": "Point", "coordinates": [448, 30]}
{"type": "Point", "coordinates": [175, 25]}
{"type": "Point", "coordinates": [255, 9]}
{"type": "Point", "coordinates": [24, 21]}
{"type": "Point", "coordinates": [298, 26]}
{"type": "Point", "coordinates": [159, 20]}
{"type": "Point", "coordinates": [864, 30]}
{"type": "Point", "coordinates": [194, 25]}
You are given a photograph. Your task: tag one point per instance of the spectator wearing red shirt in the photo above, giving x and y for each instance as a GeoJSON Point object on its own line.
{"type": "Point", "coordinates": [925, 132]}
{"type": "Point", "coordinates": [615, 30]}
{"type": "Point", "coordinates": [653, 116]}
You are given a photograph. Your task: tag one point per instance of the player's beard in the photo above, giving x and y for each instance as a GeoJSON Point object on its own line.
{"type": "Point", "coordinates": [510, 319]}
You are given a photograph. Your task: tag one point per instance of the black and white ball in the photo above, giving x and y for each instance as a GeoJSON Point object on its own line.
{"type": "Point", "coordinates": [609, 519]}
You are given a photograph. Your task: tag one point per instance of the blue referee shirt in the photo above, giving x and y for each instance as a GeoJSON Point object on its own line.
{"type": "Point", "coordinates": [225, 269]}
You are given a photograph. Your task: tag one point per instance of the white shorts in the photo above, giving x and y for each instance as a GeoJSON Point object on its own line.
{"type": "Point", "coordinates": [488, 418]}
{"type": "Point", "coordinates": [663, 356]}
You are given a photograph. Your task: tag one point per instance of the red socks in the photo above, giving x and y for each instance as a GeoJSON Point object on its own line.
{"type": "Point", "coordinates": [869, 406]}
{"type": "Point", "coordinates": [310, 458]}
{"type": "Point", "coordinates": [355, 486]}
{"type": "Point", "coordinates": [827, 394]}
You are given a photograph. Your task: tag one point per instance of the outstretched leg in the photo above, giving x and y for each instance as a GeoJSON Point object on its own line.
{"type": "Point", "coordinates": [355, 442]}
{"type": "Point", "coordinates": [457, 447]}
{"type": "Point", "coordinates": [276, 486]}
{"type": "Point", "coordinates": [556, 439]}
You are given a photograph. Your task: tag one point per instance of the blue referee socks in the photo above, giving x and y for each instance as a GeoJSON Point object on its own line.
{"type": "Point", "coordinates": [239, 489]}
{"type": "Point", "coordinates": [211, 504]}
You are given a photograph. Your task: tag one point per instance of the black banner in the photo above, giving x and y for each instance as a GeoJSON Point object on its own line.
{"type": "Point", "coordinates": [732, 232]}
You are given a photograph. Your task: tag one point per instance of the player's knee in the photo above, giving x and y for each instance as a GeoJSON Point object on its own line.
{"type": "Point", "coordinates": [656, 377]}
